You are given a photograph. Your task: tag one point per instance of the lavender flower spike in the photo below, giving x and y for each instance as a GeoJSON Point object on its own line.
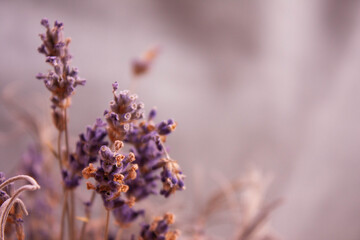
{"type": "Point", "coordinates": [87, 149]}
{"type": "Point", "coordinates": [159, 229]}
{"type": "Point", "coordinates": [63, 79]}
{"type": "Point", "coordinates": [110, 177]}
{"type": "Point", "coordinates": [124, 109]}
{"type": "Point", "coordinates": [125, 215]}
{"type": "Point", "coordinates": [147, 139]}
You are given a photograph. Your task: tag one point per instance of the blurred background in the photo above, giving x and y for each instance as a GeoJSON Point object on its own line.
{"type": "Point", "coordinates": [267, 84]}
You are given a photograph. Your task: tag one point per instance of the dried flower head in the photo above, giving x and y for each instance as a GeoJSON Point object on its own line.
{"type": "Point", "coordinates": [159, 229]}
{"type": "Point", "coordinates": [125, 215]}
{"type": "Point", "coordinates": [110, 176]}
{"type": "Point", "coordinates": [87, 149]}
{"type": "Point", "coordinates": [171, 177]}
{"type": "Point", "coordinates": [124, 110]}
{"type": "Point", "coordinates": [147, 139]}
{"type": "Point", "coordinates": [63, 79]}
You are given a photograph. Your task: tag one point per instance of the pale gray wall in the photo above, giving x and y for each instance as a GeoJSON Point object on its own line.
{"type": "Point", "coordinates": [268, 83]}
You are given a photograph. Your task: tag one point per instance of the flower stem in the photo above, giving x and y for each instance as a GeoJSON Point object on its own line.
{"type": "Point", "coordinates": [118, 234]}
{"type": "Point", "coordinates": [72, 213]}
{"type": "Point", "coordinates": [107, 225]}
{"type": "Point", "coordinates": [65, 204]}
{"type": "Point", "coordinates": [70, 225]}
{"type": "Point", "coordinates": [88, 215]}
{"type": "Point", "coordinates": [59, 152]}
{"type": "Point", "coordinates": [66, 133]}
{"type": "Point", "coordinates": [72, 209]}
{"type": "Point", "coordinates": [165, 151]}
{"type": "Point", "coordinates": [64, 211]}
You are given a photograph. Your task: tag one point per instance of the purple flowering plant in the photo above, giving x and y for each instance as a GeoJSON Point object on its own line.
{"type": "Point", "coordinates": [121, 179]}
{"type": "Point", "coordinates": [121, 158]}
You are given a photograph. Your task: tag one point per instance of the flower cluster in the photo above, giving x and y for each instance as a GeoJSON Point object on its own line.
{"type": "Point", "coordinates": [124, 110]}
{"type": "Point", "coordinates": [110, 177]}
{"type": "Point", "coordinates": [171, 177]}
{"type": "Point", "coordinates": [119, 179]}
{"type": "Point", "coordinates": [125, 215]}
{"type": "Point", "coordinates": [122, 123]}
{"type": "Point", "coordinates": [159, 229]}
{"type": "Point", "coordinates": [147, 139]}
{"type": "Point", "coordinates": [62, 80]}
{"type": "Point", "coordinates": [87, 149]}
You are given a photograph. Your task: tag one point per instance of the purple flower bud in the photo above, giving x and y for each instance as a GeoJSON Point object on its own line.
{"type": "Point", "coordinates": [152, 114]}
{"type": "Point", "coordinates": [159, 229]}
{"type": "Point", "coordinates": [115, 86]}
{"type": "Point", "coordinates": [42, 49]}
{"type": "Point", "coordinates": [59, 45]}
{"type": "Point", "coordinates": [162, 227]}
{"type": "Point", "coordinates": [125, 117]}
{"type": "Point", "coordinates": [51, 59]}
{"type": "Point", "coordinates": [125, 215]}
{"type": "Point", "coordinates": [80, 82]}
{"type": "Point", "coordinates": [45, 22]}
{"type": "Point", "coordinates": [105, 153]}
{"type": "Point", "coordinates": [58, 24]}
{"type": "Point", "coordinates": [40, 76]}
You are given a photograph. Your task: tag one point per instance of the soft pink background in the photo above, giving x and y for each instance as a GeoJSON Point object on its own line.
{"type": "Point", "coordinates": [273, 84]}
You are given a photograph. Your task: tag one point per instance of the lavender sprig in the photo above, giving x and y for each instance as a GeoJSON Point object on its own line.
{"type": "Point", "coordinates": [63, 79]}
{"type": "Point", "coordinates": [159, 229]}
{"type": "Point", "coordinates": [147, 139]}
{"type": "Point", "coordinates": [125, 215]}
{"type": "Point", "coordinates": [124, 110]}
{"type": "Point", "coordinates": [61, 82]}
{"type": "Point", "coordinates": [87, 149]}
{"type": "Point", "coordinates": [111, 175]}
